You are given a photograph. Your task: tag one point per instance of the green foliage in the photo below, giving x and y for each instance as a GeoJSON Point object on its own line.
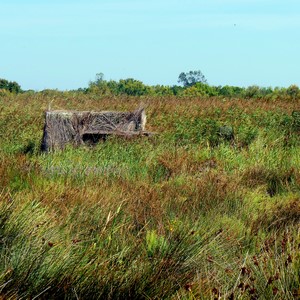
{"type": "Point", "coordinates": [206, 130]}
{"type": "Point", "coordinates": [190, 78]}
{"type": "Point", "coordinates": [230, 91]}
{"type": "Point", "coordinates": [155, 243]}
{"type": "Point", "coordinates": [255, 91]}
{"type": "Point", "coordinates": [161, 90]}
{"type": "Point", "coordinates": [100, 86]}
{"type": "Point", "coordinates": [226, 133]}
{"type": "Point", "coordinates": [296, 119]}
{"type": "Point", "coordinates": [200, 89]}
{"type": "Point", "coordinates": [193, 83]}
{"type": "Point", "coordinates": [177, 90]}
{"type": "Point", "coordinates": [11, 86]}
{"type": "Point", "coordinates": [293, 91]}
{"type": "Point", "coordinates": [132, 87]}
{"type": "Point", "coordinates": [246, 135]}
{"type": "Point", "coordinates": [207, 208]}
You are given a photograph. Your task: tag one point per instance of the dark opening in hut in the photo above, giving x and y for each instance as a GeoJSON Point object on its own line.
{"type": "Point", "coordinates": [93, 138]}
{"type": "Point", "coordinates": [80, 127]}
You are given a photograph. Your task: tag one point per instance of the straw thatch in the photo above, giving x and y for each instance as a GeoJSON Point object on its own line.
{"type": "Point", "coordinates": [65, 127]}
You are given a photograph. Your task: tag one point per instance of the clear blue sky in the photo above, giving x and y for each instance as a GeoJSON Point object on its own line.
{"type": "Point", "coordinates": [63, 43]}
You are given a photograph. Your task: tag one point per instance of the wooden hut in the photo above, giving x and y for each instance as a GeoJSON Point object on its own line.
{"type": "Point", "coordinates": [79, 127]}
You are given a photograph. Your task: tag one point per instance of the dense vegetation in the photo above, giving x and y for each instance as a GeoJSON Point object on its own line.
{"type": "Point", "coordinates": [192, 84]}
{"type": "Point", "coordinates": [209, 208]}
{"type": "Point", "coordinates": [10, 86]}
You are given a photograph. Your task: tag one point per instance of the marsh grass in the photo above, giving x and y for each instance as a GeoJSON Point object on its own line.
{"type": "Point", "coordinates": [187, 214]}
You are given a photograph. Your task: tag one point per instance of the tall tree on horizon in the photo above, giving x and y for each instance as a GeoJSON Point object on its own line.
{"type": "Point", "coordinates": [190, 78]}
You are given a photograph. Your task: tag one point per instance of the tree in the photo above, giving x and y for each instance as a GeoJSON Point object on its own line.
{"type": "Point", "coordinates": [99, 78]}
{"type": "Point", "coordinates": [191, 78]}
{"type": "Point", "coordinates": [132, 87]}
{"type": "Point", "coordinates": [293, 91]}
{"type": "Point", "coordinates": [11, 86]}
{"type": "Point", "coordinates": [99, 86]}
{"type": "Point", "coordinates": [200, 89]}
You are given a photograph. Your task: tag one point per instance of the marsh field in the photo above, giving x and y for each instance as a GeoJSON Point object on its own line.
{"type": "Point", "coordinates": [189, 213]}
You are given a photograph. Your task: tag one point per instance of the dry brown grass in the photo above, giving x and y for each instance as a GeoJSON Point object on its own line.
{"type": "Point", "coordinates": [215, 231]}
{"type": "Point", "coordinates": [279, 217]}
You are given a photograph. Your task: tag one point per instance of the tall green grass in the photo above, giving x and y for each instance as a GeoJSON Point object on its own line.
{"type": "Point", "coordinates": [188, 214]}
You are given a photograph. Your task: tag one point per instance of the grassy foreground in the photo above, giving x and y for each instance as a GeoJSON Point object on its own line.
{"type": "Point", "coordinates": [187, 214]}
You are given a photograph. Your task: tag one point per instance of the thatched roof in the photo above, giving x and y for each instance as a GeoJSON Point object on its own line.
{"type": "Point", "coordinates": [64, 127]}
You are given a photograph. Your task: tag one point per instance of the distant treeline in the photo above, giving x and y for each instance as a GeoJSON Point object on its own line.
{"type": "Point", "coordinates": [192, 84]}
{"type": "Point", "coordinates": [10, 86]}
{"type": "Point", "coordinates": [134, 87]}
